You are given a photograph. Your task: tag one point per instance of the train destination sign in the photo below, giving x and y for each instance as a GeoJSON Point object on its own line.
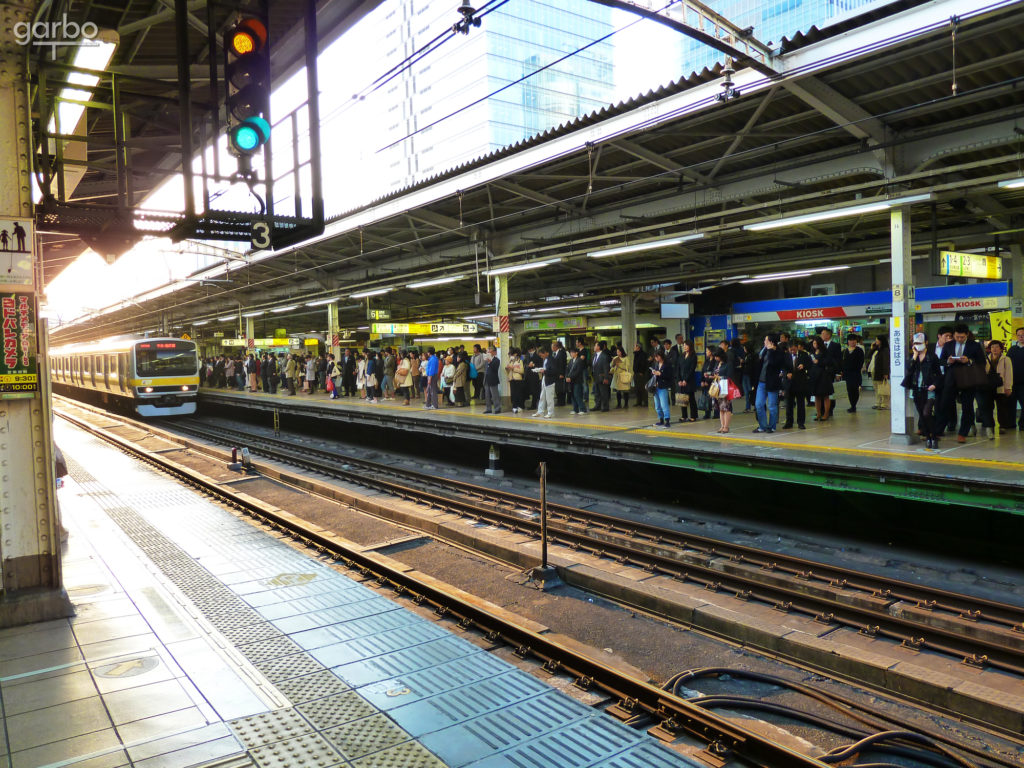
{"type": "Point", "coordinates": [404, 329]}
{"type": "Point", "coordinates": [19, 373]}
{"type": "Point", "coordinates": [955, 264]}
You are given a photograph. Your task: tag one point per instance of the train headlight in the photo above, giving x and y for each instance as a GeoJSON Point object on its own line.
{"type": "Point", "coordinates": [147, 389]}
{"type": "Point", "coordinates": [185, 388]}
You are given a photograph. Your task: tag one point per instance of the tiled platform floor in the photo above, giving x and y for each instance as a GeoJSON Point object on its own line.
{"type": "Point", "coordinates": [200, 638]}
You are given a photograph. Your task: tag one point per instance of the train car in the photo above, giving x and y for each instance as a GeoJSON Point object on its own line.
{"type": "Point", "coordinates": [150, 377]}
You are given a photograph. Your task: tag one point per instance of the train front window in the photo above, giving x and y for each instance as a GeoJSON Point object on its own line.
{"type": "Point", "coordinates": [165, 358]}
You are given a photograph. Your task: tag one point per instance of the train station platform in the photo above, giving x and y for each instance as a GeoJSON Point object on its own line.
{"type": "Point", "coordinates": [849, 452]}
{"type": "Point", "coordinates": [201, 639]}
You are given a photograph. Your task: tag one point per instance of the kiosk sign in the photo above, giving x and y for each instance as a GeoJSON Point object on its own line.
{"type": "Point", "coordinates": [19, 374]}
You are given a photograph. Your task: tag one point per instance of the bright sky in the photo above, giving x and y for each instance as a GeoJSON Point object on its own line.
{"type": "Point", "coordinates": [646, 56]}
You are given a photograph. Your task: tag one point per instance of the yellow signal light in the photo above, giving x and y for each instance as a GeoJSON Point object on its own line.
{"type": "Point", "coordinates": [242, 43]}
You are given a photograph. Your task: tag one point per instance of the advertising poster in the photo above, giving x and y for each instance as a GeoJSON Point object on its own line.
{"type": "Point", "coordinates": [19, 372]}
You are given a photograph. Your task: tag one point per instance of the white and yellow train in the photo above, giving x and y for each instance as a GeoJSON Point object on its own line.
{"type": "Point", "coordinates": [151, 377]}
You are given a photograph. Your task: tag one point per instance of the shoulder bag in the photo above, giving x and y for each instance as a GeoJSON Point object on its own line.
{"type": "Point", "coordinates": [970, 376]}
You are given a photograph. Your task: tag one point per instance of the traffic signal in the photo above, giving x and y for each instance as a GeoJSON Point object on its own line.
{"type": "Point", "coordinates": [247, 85]}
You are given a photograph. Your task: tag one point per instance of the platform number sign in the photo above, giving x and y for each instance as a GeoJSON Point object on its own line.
{"type": "Point", "coordinates": [260, 235]}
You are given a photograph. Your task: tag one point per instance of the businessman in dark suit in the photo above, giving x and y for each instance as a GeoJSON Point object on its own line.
{"type": "Point", "coordinates": [963, 352]}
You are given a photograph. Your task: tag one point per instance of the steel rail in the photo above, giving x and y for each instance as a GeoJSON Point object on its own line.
{"type": "Point", "coordinates": [675, 715]}
{"type": "Point", "coordinates": [879, 622]}
{"type": "Point", "coordinates": [974, 609]}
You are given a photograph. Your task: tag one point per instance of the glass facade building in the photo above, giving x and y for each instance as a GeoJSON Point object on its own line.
{"type": "Point", "coordinates": [470, 96]}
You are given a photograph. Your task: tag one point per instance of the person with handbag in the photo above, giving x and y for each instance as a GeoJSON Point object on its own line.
{"type": "Point", "coordinates": [514, 371]}
{"type": "Point", "coordinates": [622, 378]}
{"type": "Point", "coordinates": [688, 382]}
{"type": "Point", "coordinates": [924, 379]}
{"type": "Point", "coordinates": [879, 369]}
{"type": "Point", "coordinates": [661, 382]}
{"type": "Point", "coordinates": [995, 395]}
{"type": "Point", "coordinates": [707, 372]}
{"type": "Point", "coordinates": [403, 378]}
{"type": "Point", "coordinates": [719, 390]}
{"type": "Point", "coordinates": [964, 361]}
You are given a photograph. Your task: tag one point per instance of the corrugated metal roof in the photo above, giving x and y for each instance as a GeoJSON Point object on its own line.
{"type": "Point", "coordinates": [682, 84]}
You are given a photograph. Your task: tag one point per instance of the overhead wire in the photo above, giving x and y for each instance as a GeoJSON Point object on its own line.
{"type": "Point", "coordinates": [409, 61]}
{"type": "Point", "coordinates": [525, 77]}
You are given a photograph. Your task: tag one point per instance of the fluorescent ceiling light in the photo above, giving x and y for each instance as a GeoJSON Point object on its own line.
{"type": "Point", "coordinates": [364, 294]}
{"type": "Point", "coordinates": [1011, 184]}
{"type": "Point", "coordinates": [787, 276]}
{"type": "Point", "coordinates": [201, 322]}
{"type": "Point", "coordinates": [794, 273]}
{"type": "Point", "coordinates": [321, 302]}
{"type": "Point", "coordinates": [225, 319]}
{"type": "Point", "coordinates": [645, 246]}
{"type": "Point", "coordinates": [610, 301]}
{"type": "Point", "coordinates": [253, 314]}
{"type": "Point", "coordinates": [363, 328]}
{"type": "Point", "coordinates": [488, 316]}
{"type": "Point", "coordinates": [285, 309]}
{"type": "Point", "coordinates": [436, 281]}
{"type": "Point", "coordinates": [808, 271]}
{"type": "Point", "coordinates": [521, 267]}
{"type": "Point", "coordinates": [837, 213]}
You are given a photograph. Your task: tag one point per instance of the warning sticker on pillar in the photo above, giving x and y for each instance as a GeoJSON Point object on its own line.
{"type": "Point", "coordinates": [335, 340]}
{"type": "Point", "coordinates": [16, 247]}
{"type": "Point", "coordinates": [19, 373]}
{"type": "Point", "coordinates": [504, 324]}
{"type": "Point", "coordinates": [250, 343]}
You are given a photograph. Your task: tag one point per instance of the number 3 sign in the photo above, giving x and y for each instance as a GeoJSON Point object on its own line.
{"type": "Point", "coordinates": [260, 235]}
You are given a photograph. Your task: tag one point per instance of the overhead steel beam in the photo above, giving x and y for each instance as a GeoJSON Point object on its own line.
{"type": "Point", "coordinates": [840, 110]}
{"type": "Point", "coordinates": [440, 221]}
{"type": "Point", "coordinates": [538, 197]}
{"type": "Point", "coordinates": [160, 17]}
{"type": "Point", "coordinates": [659, 161]}
{"type": "Point", "coordinates": [698, 21]}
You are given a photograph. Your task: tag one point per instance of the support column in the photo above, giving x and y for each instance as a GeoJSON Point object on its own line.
{"type": "Point", "coordinates": [1017, 280]}
{"type": "Point", "coordinates": [333, 331]}
{"type": "Point", "coordinates": [502, 328]}
{"type": "Point", "coordinates": [250, 335]}
{"type": "Point", "coordinates": [901, 325]}
{"type": "Point", "coordinates": [31, 586]}
{"type": "Point", "coordinates": [628, 322]}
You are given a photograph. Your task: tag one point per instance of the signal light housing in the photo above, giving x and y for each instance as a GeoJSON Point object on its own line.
{"type": "Point", "coordinates": [247, 85]}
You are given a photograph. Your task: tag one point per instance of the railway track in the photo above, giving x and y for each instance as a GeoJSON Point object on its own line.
{"type": "Point", "coordinates": [976, 631]}
{"type": "Point", "coordinates": [637, 701]}
{"type": "Point", "coordinates": [635, 698]}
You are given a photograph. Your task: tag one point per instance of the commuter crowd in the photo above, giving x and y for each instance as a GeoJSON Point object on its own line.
{"type": "Point", "coordinates": [783, 376]}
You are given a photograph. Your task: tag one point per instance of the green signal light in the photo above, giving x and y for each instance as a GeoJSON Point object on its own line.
{"type": "Point", "coordinates": [246, 138]}
{"type": "Point", "coordinates": [250, 134]}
